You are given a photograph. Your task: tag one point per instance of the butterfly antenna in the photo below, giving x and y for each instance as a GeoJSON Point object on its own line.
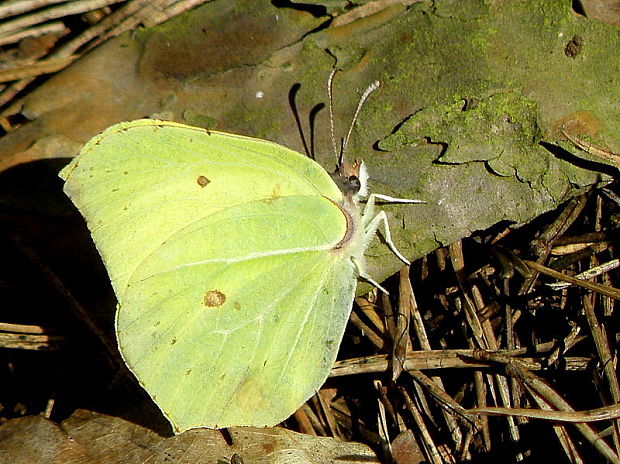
{"type": "Point", "coordinates": [370, 89]}
{"type": "Point", "coordinates": [330, 85]}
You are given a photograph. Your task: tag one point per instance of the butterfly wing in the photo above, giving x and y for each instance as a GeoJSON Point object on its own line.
{"type": "Point", "coordinates": [221, 250]}
{"type": "Point", "coordinates": [140, 181]}
{"type": "Point", "coordinates": [222, 335]}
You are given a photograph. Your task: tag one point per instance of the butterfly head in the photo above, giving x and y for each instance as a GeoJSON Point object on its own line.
{"type": "Point", "coordinates": [352, 179]}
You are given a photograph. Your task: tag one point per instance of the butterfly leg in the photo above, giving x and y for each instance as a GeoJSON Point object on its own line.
{"type": "Point", "coordinates": [362, 275]}
{"type": "Point", "coordinates": [368, 212]}
{"type": "Point", "coordinates": [371, 229]}
{"type": "Point", "coordinates": [372, 221]}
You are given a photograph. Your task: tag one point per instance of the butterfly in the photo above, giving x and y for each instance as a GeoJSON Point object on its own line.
{"type": "Point", "coordinates": [234, 261]}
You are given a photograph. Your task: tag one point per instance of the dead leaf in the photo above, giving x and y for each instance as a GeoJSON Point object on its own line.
{"type": "Point", "coordinates": [90, 437]}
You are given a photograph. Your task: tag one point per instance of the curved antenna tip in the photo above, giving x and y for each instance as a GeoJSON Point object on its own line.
{"type": "Point", "coordinates": [370, 89]}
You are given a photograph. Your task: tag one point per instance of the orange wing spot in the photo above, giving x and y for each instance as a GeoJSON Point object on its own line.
{"type": "Point", "coordinates": [214, 298]}
{"type": "Point", "coordinates": [203, 181]}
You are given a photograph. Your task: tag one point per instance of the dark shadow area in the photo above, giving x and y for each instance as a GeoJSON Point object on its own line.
{"type": "Point", "coordinates": [567, 156]}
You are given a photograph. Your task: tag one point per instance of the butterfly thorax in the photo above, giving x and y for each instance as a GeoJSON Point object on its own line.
{"type": "Point", "coordinates": [352, 180]}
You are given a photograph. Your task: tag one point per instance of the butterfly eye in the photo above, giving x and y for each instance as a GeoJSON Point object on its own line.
{"type": "Point", "coordinates": [348, 185]}
{"type": "Point", "coordinates": [354, 184]}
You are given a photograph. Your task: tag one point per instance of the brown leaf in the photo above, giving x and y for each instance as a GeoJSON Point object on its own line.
{"type": "Point", "coordinates": [89, 437]}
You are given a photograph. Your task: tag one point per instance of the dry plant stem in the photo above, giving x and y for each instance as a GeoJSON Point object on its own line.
{"type": "Point", "coordinates": [480, 388]}
{"type": "Point", "coordinates": [571, 250]}
{"type": "Point", "coordinates": [407, 294]}
{"type": "Point", "coordinates": [573, 337]}
{"type": "Point", "coordinates": [149, 13]}
{"type": "Point", "coordinates": [25, 328]}
{"type": "Point", "coordinates": [110, 352]}
{"type": "Point", "coordinates": [611, 195]}
{"type": "Point", "coordinates": [330, 420]}
{"type": "Point", "coordinates": [392, 326]}
{"type": "Point", "coordinates": [563, 347]}
{"type": "Point", "coordinates": [566, 441]}
{"type": "Point", "coordinates": [486, 338]}
{"type": "Point", "coordinates": [594, 271]}
{"type": "Point", "coordinates": [446, 454]}
{"type": "Point", "coordinates": [542, 245]}
{"type": "Point", "coordinates": [382, 426]}
{"type": "Point", "coordinates": [341, 411]}
{"type": "Point", "coordinates": [566, 261]}
{"type": "Point", "coordinates": [56, 28]}
{"type": "Point", "coordinates": [513, 429]}
{"type": "Point", "coordinates": [176, 7]}
{"type": "Point", "coordinates": [14, 8]}
{"type": "Point", "coordinates": [400, 420]}
{"type": "Point", "coordinates": [553, 398]}
{"type": "Point", "coordinates": [386, 404]}
{"type": "Point", "coordinates": [149, 16]}
{"type": "Point", "coordinates": [9, 93]}
{"type": "Point", "coordinates": [422, 402]}
{"type": "Point", "coordinates": [432, 453]}
{"type": "Point", "coordinates": [589, 237]}
{"type": "Point", "coordinates": [366, 330]}
{"type": "Point", "coordinates": [368, 9]}
{"type": "Point", "coordinates": [388, 315]}
{"type": "Point", "coordinates": [607, 303]}
{"type": "Point", "coordinates": [605, 357]}
{"type": "Point", "coordinates": [594, 150]}
{"type": "Point", "coordinates": [591, 415]}
{"type": "Point", "coordinates": [481, 400]}
{"type": "Point", "coordinates": [406, 291]}
{"type": "Point", "coordinates": [316, 416]}
{"type": "Point", "coordinates": [442, 397]}
{"type": "Point", "coordinates": [443, 359]}
{"type": "Point", "coordinates": [401, 342]}
{"type": "Point", "coordinates": [511, 344]}
{"type": "Point", "coordinates": [126, 18]}
{"type": "Point", "coordinates": [106, 27]}
{"type": "Point", "coordinates": [121, 20]}
{"type": "Point", "coordinates": [558, 227]}
{"type": "Point", "coordinates": [31, 70]}
{"type": "Point", "coordinates": [458, 264]}
{"type": "Point", "coordinates": [465, 453]}
{"type": "Point", "coordinates": [29, 341]}
{"type": "Point", "coordinates": [560, 431]}
{"type": "Point", "coordinates": [67, 9]}
{"type": "Point", "coordinates": [442, 256]}
{"type": "Point", "coordinates": [602, 346]}
{"type": "Point", "coordinates": [369, 310]}
{"type": "Point", "coordinates": [502, 382]}
{"type": "Point", "coordinates": [598, 288]}
{"type": "Point", "coordinates": [302, 416]}
{"type": "Point", "coordinates": [49, 407]}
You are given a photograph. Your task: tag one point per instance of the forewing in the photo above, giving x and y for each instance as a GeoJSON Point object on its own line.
{"type": "Point", "coordinates": [140, 182]}
{"type": "Point", "coordinates": [237, 319]}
